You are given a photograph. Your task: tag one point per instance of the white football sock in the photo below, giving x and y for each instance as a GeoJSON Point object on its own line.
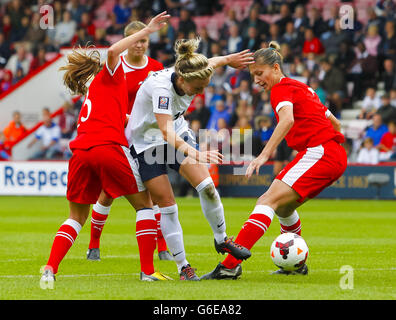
{"type": "Point", "coordinates": [173, 234]}
{"type": "Point", "coordinates": [212, 208]}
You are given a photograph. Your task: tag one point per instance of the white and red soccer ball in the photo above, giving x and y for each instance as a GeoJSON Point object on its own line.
{"type": "Point", "coordinates": [289, 251]}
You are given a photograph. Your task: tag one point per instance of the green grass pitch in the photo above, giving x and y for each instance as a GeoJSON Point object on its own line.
{"type": "Point", "coordinates": [360, 234]}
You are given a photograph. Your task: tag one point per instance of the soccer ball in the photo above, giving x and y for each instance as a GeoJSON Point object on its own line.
{"type": "Point", "coordinates": [289, 251]}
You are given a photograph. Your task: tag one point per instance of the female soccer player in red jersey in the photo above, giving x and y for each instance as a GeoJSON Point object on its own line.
{"type": "Point", "coordinates": [309, 128]}
{"type": "Point", "coordinates": [101, 159]}
{"type": "Point", "coordinates": [137, 66]}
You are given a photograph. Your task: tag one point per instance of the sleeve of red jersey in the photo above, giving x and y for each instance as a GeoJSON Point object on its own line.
{"type": "Point", "coordinates": [114, 74]}
{"type": "Point", "coordinates": [281, 96]}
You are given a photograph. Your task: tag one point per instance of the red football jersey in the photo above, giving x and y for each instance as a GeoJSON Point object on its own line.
{"type": "Point", "coordinates": [102, 116]}
{"type": "Point", "coordinates": [311, 126]}
{"type": "Point", "coordinates": [136, 75]}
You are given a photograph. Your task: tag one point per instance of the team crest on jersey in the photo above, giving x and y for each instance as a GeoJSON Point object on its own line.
{"type": "Point", "coordinates": [163, 103]}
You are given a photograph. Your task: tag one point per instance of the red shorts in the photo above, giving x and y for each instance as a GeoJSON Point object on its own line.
{"type": "Point", "coordinates": [108, 167]}
{"type": "Point", "coordinates": [314, 169]}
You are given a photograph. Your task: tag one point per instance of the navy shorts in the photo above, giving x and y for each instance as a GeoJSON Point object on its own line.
{"type": "Point", "coordinates": [154, 162]}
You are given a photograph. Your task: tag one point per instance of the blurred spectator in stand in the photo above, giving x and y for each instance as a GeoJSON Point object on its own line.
{"type": "Point", "coordinates": [332, 78]}
{"type": "Point", "coordinates": [201, 113]}
{"type": "Point", "coordinates": [372, 40]}
{"type": "Point", "coordinates": [387, 145]}
{"type": "Point", "coordinates": [252, 41]}
{"type": "Point", "coordinates": [264, 107]}
{"type": "Point", "coordinates": [229, 21]}
{"type": "Point", "coordinates": [283, 155]}
{"type": "Point", "coordinates": [285, 17]}
{"type": "Point", "coordinates": [345, 57]}
{"type": "Point", "coordinates": [87, 24]}
{"type": "Point", "coordinates": [253, 20]}
{"type": "Point", "coordinates": [114, 27]}
{"type": "Point", "coordinates": [15, 11]}
{"type": "Point", "coordinates": [219, 78]}
{"type": "Point", "coordinates": [38, 59]}
{"type": "Point", "coordinates": [76, 10]}
{"type": "Point", "coordinates": [6, 26]}
{"type": "Point", "coordinates": [368, 154]}
{"type": "Point", "coordinates": [300, 19]}
{"type": "Point", "coordinates": [262, 133]}
{"type": "Point", "coordinates": [19, 60]}
{"type": "Point", "coordinates": [100, 38]}
{"type": "Point", "coordinates": [311, 63]}
{"type": "Point", "coordinates": [389, 75]}
{"type": "Point", "coordinates": [6, 82]}
{"type": "Point", "coordinates": [333, 41]}
{"type": "Point", "coordinates": [48, 134]}
{"type": "Point", "coordinates": [234, 40]}
{"type": "Point", "coordinates": [374, 19]}
{"type": "Point", "coordinates": [387, 111]}
{"type": "Point", "coordinates": [315, 84]}
{"type": "Point", "coordinates": [292, 38]}
{"type": "Point", "coordinates": [393, 97]}
{"type": "Point", "coordinates": [14, 130]}
{"type": "Point", "coordinates": [316, 22]}
{"type": "Point", "coordinates": [219, 112]}
{"type": "Point", "coordinates": [387, 47]}
{"type": "Point", "coordinates": [243, 92]}
{"type": "Point", "coordinates": [67, 121]}
{"type": "Point", "coordinates": [5, 50]}
{"type": "Point", "coordinates": [274, 33]}
{"type": "Point", "coordinates": [376, 130]}
{"type": "Point", "coordinates": [82, 38]}
{"type": "Point", "coordinates": [19, 76]}
{"type": "Point", "coordinates": [287, 54]}
{"type": "Point", "coordinates": [206, 42]}
{"type": "Point", "coordinates": [312, 43]}
{"type": "Point", "coordinates": [332, 21]}
{"type": "Point", "coordinates": [4, 150]}
{"type": "Point", "coordinates": [186, 24]}
{"type": "Point", "coordinates": [65, 30]}
{"type": "Point", "coordinates": [239, 111]}
{"type": "Point", "coordinates": [370, 104]}
{"type": "Point", "coordinates": [18, 33]}
{"type": "Point", "coordinates": [35, 35]}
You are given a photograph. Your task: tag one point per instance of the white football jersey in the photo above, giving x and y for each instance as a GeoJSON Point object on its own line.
{"type": "Point", "coordinates": [156, 95]}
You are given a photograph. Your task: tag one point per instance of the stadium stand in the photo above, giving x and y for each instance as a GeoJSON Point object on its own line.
{"type": "Point", "coordinates": [359, 66]}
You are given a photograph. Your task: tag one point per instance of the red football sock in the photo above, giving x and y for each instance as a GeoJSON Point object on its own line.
{"type": "Point", "coordinates": [98, 220]}
{"type": "Point", "coordinates": [161, 243]}
{"type": "Point", "coordinates": [64, 239]}
{"type": "Point", "coordinates": [253, 229]}
{"type": "Point", "coordinates": [146, 234]}
{"type": "Point", "coordinates": [291, 224]}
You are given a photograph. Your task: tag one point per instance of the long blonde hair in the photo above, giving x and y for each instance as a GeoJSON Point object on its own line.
{"type": "Point", "coordinates": [191, 65]}
{"type": "Point", "coordinates": [81, 66]}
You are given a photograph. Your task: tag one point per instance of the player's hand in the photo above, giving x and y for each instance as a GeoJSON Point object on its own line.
{"type": "Point", "coordinates": [241, 59]}
{"type": "Point", "coordinates": [127, 116]}
{"type": "Point", "coordinates": [158, 22]}
{"type": "Point", "coordinates": [211, 156]}
{"type": "Point", "coordinates": [255, 165]}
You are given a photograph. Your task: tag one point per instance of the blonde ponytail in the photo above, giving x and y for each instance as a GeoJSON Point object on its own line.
{"type": "Point", "coordinates": [189, 64]}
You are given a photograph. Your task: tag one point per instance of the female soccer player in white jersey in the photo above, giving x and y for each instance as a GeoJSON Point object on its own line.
{"type": "Point", "coordinates": [159, 136]}
{"type": "Point", "coordinates": [137, 66]}
{"type": "Point", "coordinates": [101, 159]}
{"type": "Point", "coordinates": [309, 128]}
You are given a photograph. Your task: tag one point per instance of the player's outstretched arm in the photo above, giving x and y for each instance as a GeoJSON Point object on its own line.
{"type": "Point", "coordinates": [237, 60]}
{"type": "Point", "coordinates": [165, 124]}
{"type": "Point", "coordinates": [113, 54]}
{"type": "Point", "coordinates": [286, 121]}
